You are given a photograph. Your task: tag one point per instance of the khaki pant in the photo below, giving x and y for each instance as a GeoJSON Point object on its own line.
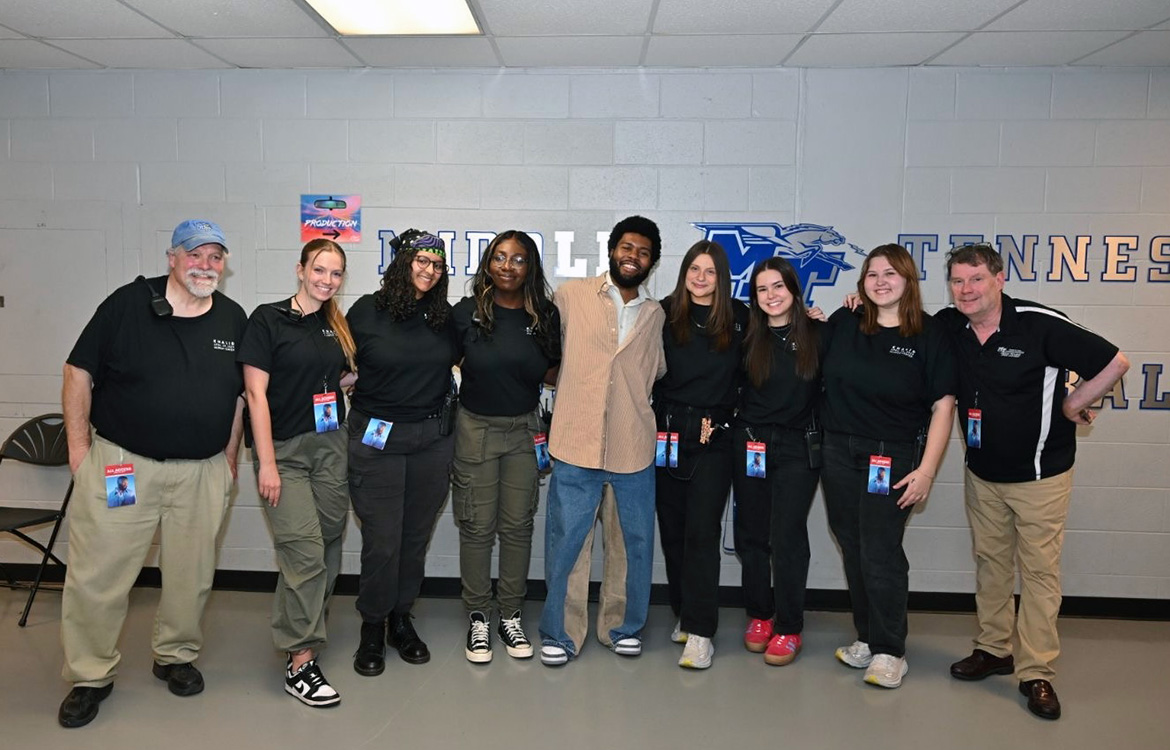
{"type": "Point", "coordinates": [1024, 521]}
{"type": "Point", "coordinates": [187, 500]}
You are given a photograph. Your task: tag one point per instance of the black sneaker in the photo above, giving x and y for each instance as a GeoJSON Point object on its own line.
{"type": "Point", "coordinates": [309, 686]}
{"type": "Point", "coordinates": [479, 639]}
{"type": "Point", "coordinates": [513, 638]}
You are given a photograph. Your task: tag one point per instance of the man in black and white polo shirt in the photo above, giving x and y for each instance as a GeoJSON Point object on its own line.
{"type": "Point", "coordinates": [1020, 428]}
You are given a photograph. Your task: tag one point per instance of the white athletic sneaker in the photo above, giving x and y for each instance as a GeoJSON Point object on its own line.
{"type": "Point", "coordinates": [628, 646]}
{"type": "Point", "coordinates": [697, 653]}
{"type": "Point", "coordinates": [309, 686]}
{"type": "Point", "coordinates": [552, 655]}
{"type": "Point", "coordinates": [886, 670]}
{"type": "Point", "coordinates": [678, 635]}
{"type": "Point", "coordinates": [856, 655]}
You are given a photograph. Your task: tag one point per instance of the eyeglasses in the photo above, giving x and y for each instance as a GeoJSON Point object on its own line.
{"type": "Point", "coordinates": [518, 260]}
{"type": "Point", "coordinates": [439, 265]}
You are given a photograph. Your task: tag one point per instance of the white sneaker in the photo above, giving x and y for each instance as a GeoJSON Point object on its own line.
{"type": "Point", "coordinates": [678, 635]}
{"type": "Point", "coordinates": [856, 655]}
{"type": "Point", "coordinates": [552, 655]}
{"type": "Point", "coordinates": [886, 670]}
{"type": "Point", "coordinates": [697, 653]}
{"type": "Point", "coordinates": [309, 686]}
{"type": "Point", "coordinates": [629, 646]}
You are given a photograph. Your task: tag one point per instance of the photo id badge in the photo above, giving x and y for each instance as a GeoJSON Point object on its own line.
{"type": "Point", "coordinates": [974, 428]}
{"type": "Point", "coordinates": [325, 411]}
{"type": "Point", "coordinates": [376, 433]}
{"type": "Point", "coordinates": [120, 488]}
{"type": "Point", "coordinates": [879, 475]}
{"type": "Point", "coordinates": [540, 445]}
{"type": "Point", "coordinates": [666, 450]}
{"type": "Point", "coordinates": [757, 457]}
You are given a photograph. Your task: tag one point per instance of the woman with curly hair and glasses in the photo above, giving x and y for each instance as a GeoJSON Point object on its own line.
{"type": "Point", "coordinates": [509, 333]}
{"type": "Point", "coordinates": [399, 456]}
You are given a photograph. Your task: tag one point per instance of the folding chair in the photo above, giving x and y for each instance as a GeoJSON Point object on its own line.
{"type": "Point", "coordinates": [39, 441]}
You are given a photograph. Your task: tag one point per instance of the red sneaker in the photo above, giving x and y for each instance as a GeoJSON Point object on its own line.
{"type": "Point", "coordinates": [782, 649]}
{"type": "Point", "coordinates": [757, 635]}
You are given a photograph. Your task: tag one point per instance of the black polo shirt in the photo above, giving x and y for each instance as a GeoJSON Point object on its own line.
{"type": "Point", "coordinates": [1018, 381]}
{"type": "Point", "coordinates": [785, 399]}
{"type": "Point", "coordinates": [696, 374]}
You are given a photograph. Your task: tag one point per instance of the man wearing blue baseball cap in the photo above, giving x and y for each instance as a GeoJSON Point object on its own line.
{"type": "Point", "coordinates": [152, 397]}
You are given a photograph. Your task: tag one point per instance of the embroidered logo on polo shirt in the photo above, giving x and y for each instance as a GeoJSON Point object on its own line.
{"type": "Point", "coordinates": [1011, 353]}
{"type": "Point", "coordinates": [904, 351]}
{"type": "Point", "coordinates": [329, 333]}
{"type": "Point", "coordinates": [223, 345]}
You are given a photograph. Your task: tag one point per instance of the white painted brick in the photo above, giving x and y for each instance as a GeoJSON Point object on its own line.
{"type": "Point", "coordinates": [1155, 189]}
{"type": "Point", "coordinates": [365, 94]}
{"type": "Point", "coordinates": [772, 189]}
{"type": "Point", "coordinates": [1140, 554]}
{"type": "Point", "coordinates": [1047, 143]}
{"type": "Point", "coordinates": [707, 95]}
{"type": "Point", "coordinates": [480, 142]}
{"type": "Point", "coordinates": [1138, 143]}
{"type": "Point", "coordinates": [91, 94]}
{"type": "Point", "coordinates": [138, 139]}
{"type": "Point", "coordinates": [617, 188]}
{"type": "Point", "coordinates": [4, 140]}
{"type": "Point", "coordinates": [932, 94]}
{"type": "Point", "coordinates": [1159, 105]}
{"type": "Point", "coordinates": [758, 142]}
{"type": "Point", "coordinates": [624, 95]}
{"type": "Point", "coordinates": [262, 93]}
{"type": "Point", "coordinates": [51, 140]}
{"type": "Point", "coordinates": [437, 95]}
{"type": "Point", "coordinates": [1086, 552]}
{"type": "Point", "coordinates": [937, 549]}
{"type": "Point", "coordinates": [376, 181]}
{"type": "Point", "coordinates": [952, 144]}
{"type": "Point", "coordinates": [24, 94]}
{"type": "Point", "coordinates": [658, 143]}
{"type": "Point", "coordinates": [1099, 95]}
{"type": "Point", "coordinates": [1131, 587]}
{"type": "Point", "coordinates": [434, 186]}
{"type": "Point", "coordinates": [220, 139]}
{"type": "Point", "coordinates": [526, 96]}
{"type": "Point", "coordinates": [269, 183]}
{"type": "Point", "coordinates": [568, 143]}
{"type": "Point", "coordinates": [703, 189]}
{"type": "Point", "coordinates": [927, 191]}
{"type": "Point", "coordinates": [282, 230]}
{"type": "Point", "coordinates": [535, 188]}
{"type": "Point", "coordinates": [998, 190]}
{"type": "Point", "coordinates": [176, 94]}
{"type": "Point", "coordinates": [1094, 189]}
{"type": "Point", "coordinates": [93, 181]}
{"type": "Point", "coordinates": [1003, 95]}
{"type": "Point", "coordinates": [182, 182]}
{"type": "Point", "coordinates": [276, 271]}
{"type": "Point", "coordinates": [776, 95]}
{"type": "Point", "coordinates": [1100, 508]}
{"type": "Point", "coordinates": [391, 141]}
{"type": "Point", "coordinates": [293, 140]}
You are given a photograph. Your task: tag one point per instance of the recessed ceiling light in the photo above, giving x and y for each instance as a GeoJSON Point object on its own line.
{"type": "Point", "coordinates": [399, 17]}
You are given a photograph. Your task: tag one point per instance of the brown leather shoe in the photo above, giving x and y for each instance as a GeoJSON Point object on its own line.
{"type": "Point", "coordinates": [981, 664]}
{"type": "Point", "coordinates": [1042, 699]}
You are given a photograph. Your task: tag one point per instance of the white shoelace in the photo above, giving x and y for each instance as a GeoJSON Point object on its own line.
{"type": "Point", "coordinates": [513, 631]}
{"type": "Point", "coordinates": [480, 635]}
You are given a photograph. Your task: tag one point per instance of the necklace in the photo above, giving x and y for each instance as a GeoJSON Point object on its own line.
{"type": "Point", "coordinates": [787, 329]}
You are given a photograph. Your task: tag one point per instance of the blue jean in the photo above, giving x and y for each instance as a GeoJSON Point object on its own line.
{"type": "Point", "coordinates": [577, 497]}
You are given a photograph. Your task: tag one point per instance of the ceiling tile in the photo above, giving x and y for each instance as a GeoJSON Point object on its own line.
{"type": "Point", "coordinates": [77, 19]}
{"type": "Point", "coordinates": [912, 15]}
{"type": "Point", "coordinates": [870, 50]}
{"type": "Point", "coordinates": [281, 53]}
{"type": "Point", "coordinates": [27, 54]}
{"type": "Point", "coordinates": [423, 52]}
{"type": "Point", "coordinates": [233, 18]}
{"type": "Point", "coordinates": [565, 17]}
{"type": "Point", "coordinates": [764, 50]}
{"type": "Point", "coordinates": [165, 54]}
{"type": "Point", "coordinates": [1074, 15]}
{"type": "Point", "coordinates": [740, 17]}
{"type": "Point", "coordinates": [1005, 48]}
{"type": "Point", "coordinates": [1143, 48]}
{"type": "Point", "coordinates": [576, 52]}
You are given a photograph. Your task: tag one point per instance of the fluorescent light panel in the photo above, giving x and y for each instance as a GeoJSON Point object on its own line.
{"type": "Point", "coordinates": [401, 17]}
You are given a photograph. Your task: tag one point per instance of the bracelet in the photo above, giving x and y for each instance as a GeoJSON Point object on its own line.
{"type": "Point", "coordinates": [922, 471]}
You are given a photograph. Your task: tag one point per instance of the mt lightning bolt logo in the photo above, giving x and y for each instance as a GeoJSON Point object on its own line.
{"type": "Point", "coordinates": [805, 246]}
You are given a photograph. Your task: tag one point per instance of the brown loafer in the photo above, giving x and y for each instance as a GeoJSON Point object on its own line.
{"type": "Point", "coordinates": [981, 664]}
{"type": "Point", "coordinates": [1042, 699]}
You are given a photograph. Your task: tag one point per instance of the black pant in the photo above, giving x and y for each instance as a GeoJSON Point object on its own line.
{"type": "Point", "coordinates": [397, 494]}
{"type": "Point", "coordinates": [869, 529]}
{"type": "Point", "coordinates": [771, 525]}
{"type": "Point", "coordinates": [690, 501]}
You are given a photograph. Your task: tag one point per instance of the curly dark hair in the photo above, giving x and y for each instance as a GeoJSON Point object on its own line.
{"type": "Point", "coordinates": [537, 294]}
{"type": "Point", "coordinates": [396, 293]}
{"type": "Point", "coordinates": [638, 225]}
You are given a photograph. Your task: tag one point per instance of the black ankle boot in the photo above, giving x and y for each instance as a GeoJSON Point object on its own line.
{"type": "Point", "coordinates": [370, 659]}
{"type": "Point", "coordinates": [402, 637]}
